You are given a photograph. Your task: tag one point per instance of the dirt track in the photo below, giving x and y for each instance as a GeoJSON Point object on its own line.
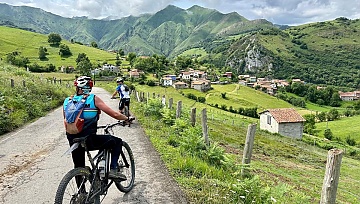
{"type": "Point", "coordinates": [32, 165]}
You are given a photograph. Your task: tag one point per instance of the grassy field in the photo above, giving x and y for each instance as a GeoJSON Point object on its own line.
{"type": "Point", "coordinates": [28, 43]}
{"type": "Point", "coordinates": [345, 127]}
{"type": "Point", "coordinates": [194, 51]}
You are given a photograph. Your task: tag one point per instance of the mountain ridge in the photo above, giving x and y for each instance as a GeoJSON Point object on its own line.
{"type": "Point", "coordinates": [200, 22]}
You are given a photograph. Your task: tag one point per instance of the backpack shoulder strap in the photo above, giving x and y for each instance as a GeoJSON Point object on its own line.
{"type": "Point", "coordinates": [84, 98]}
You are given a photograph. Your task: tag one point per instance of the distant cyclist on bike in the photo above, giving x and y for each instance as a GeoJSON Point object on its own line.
{"type": "Point", "coordinates": [93, 106]}
{"type": "Point", "coordinates": [124, 94]}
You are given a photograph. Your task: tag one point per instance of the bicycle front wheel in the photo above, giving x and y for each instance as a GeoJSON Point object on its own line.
{"type": "Point", "coordinates": [126, 165]}
{"type": "Point", "coordinates": [75, 187]}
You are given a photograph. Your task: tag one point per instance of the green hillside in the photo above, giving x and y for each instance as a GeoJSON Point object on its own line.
{"type": "Point", "coordinates": [27, 44]}
{"type": "Point", "coordinates": [321, 53]}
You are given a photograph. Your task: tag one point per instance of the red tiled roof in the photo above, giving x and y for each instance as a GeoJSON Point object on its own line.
{"type": "Point", "coordinates": [286, 115]}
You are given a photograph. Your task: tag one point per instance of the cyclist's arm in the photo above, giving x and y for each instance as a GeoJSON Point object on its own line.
{"type": "Point", "coordinates": [102, 106]}
{"type": "Point", "coordinates": [114, 94]}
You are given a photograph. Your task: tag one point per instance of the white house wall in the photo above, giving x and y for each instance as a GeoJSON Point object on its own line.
{"type": "Point", "coordinates": [273, 127]}
{"type": "Point", "coordinates": [294, 130]}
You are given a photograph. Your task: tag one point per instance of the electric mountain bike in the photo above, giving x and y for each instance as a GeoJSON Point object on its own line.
{"type": "Point", "coordinates": [90, 184]}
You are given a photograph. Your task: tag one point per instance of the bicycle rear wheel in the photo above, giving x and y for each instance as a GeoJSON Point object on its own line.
{"type": "Point", "coordinates": [75, 187]}
{"type": "Point", "coordinates": [126, 165]}
{"type": "Point", "coordinates": [126, 111]}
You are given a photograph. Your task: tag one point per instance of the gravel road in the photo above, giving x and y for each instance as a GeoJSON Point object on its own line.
{"type": "Point", "coordinates": [32, 163]}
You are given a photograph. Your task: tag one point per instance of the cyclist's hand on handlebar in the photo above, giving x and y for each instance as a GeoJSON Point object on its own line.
{"type": "Point", "coordinates": [113, 97]}
{"type": "Point", "coordinates": [129, 120]}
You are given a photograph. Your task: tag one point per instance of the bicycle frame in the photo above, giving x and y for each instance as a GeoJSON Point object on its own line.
{"type": "Point", "coordinates": [94, 162]}
{"type": "Point", "coordinates": [104, 182]}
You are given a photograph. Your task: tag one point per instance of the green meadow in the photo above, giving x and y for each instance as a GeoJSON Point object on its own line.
{"type": "Point", "coordinates": [342, 128]}
{"type": "Point", "coordinates": [28, 43]}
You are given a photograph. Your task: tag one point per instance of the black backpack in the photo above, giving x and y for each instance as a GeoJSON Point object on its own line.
{"type": "Point", "coordinates": [126, 88]}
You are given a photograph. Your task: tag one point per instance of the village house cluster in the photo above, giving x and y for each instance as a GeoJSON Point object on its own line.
{"type": "Point", "coordinates": [196, 79]}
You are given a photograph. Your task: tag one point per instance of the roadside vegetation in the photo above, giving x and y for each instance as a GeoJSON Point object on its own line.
{"type": "Point", "coordinates": [30, 98]}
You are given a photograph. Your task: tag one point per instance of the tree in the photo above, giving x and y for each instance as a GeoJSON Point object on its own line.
{"type": "Point", "coordinates": [84, 67]}
{"type": "Point", "coordinates": [131, 58]}
{"type": "Point", "coordinates": [321, 116]}
{"type": "Point", "coordinates": [83, 64]}
{"type": "Point", "coordinates": [333, 114]}
{"type": "Point", "coordinates": [81, 56]}
{"type": "Point", "coordinates": [309, 125]}
{"type": "Point", "coordinates": [64, 50]}
{"type": "Point", "coordinates": [94, 44]}
{"type": "Point", "coordinates": [118, 62]}
{"type": "Point", "coordinates": [42, 53]}
{"type": "Point", "coordinates": [121, 52]}
{"type": "Point", "coordinates": [328, 134]}
{"type": "Point", "coordinates": [54, 39]}
{"type": "Point", "coordinates": [183, 62]}
{"type": "Point", "coordinates": [335, 100]}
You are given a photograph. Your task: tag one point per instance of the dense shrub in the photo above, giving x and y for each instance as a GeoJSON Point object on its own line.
{"type": "Point", "coordinates": [201, 99]}
{"type": "Point", "coordinates": [328, 134]}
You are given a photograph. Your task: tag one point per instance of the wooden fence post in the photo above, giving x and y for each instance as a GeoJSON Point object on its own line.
{"type": "Point", "coordinates": [204, 126]}
{"type": "Point", "coordinates": [12, 83]}
{"type": "Point", "coordinates": [153, 95]}
{"type": "Point", "coordinates": [163, 101]}
{"type": "Point", "coordinates": [249, 142]}
{"type": "Point", "coordinates": [24, 83]}
{"type": "Point", "coordinates": [170, 103]}
{"type": "Point", "coordinates": [137, 96]}
{"type": "Point", "coordinates": [178, 109]}
{"type": "Point", "coordinates": [331, 179]}
{"type": "Point", "coordinates": [147, 97]}
{"type": "Point", "coordinates": [142, 96]}
{"type": "Point", "coordinates": [193, 116]}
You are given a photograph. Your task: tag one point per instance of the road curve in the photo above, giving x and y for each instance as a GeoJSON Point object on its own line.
{"type": "Point", "coordinates": [32, 163]}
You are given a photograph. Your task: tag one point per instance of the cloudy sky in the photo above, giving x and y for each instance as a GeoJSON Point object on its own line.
{"type": "Point", "coordinates": [289, 12]}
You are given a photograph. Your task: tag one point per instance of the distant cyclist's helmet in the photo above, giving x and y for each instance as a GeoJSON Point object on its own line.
{"type": "Point", "coordinates": [85, 83]}
{"type": "Point", "coordinates": [119, 80]}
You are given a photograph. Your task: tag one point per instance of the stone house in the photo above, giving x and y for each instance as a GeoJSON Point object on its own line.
{"type": "Point", "coordinates": [349, 96]}
{"type": "Point", "coordinates": [285, 121]}
{"type": "Point", "coordinates": [110, 68]}
{"type": "Point", "coordinates": [180, 85]}
{"type": "Point", "coordinates": [201, 85]}
{"type": "Point", "coordinates": [135, 73]}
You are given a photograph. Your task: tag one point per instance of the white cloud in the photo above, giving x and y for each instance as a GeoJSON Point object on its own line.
{"type": "Point", "coordinates": [290, 12]}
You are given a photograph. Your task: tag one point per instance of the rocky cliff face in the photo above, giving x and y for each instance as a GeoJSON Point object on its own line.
{"type": "Point", "coordinates": [247, 55]}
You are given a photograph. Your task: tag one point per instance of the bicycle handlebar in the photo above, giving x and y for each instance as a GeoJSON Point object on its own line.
{"type": "Point", "coordinates": [120, 122]}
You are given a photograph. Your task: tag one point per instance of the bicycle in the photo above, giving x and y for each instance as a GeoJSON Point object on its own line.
{"type": "Point", "coordinates": [87, 184]}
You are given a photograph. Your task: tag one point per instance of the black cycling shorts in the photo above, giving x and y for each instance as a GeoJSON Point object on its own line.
{"type": "Point", "coordinates": [124, 102]}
